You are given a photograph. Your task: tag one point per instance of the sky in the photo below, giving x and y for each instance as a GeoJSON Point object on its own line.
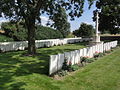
{"type": "Point", "coordinates": [86, 18]}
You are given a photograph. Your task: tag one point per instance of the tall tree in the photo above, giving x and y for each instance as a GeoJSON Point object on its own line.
{"type": "Point", "coordinates": [109, 16]}
{"type": "Point", "coordinates": [30, 11]}
{"type": "Point", "coordinates": [61, 22]}
{"type": "Point", "coordinates": [84, 30]}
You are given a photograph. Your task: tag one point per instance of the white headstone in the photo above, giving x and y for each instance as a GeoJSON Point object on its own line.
{"type": "Point", "coordinates": [53, 64]}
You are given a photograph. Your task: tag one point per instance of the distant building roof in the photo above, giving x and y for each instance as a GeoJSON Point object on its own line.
{"type": "Point", "coordinates": [1, 31]}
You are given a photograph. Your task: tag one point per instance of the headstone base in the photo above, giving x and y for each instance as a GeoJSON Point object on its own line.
{"type": "Point", "coordinates": [95, 40]}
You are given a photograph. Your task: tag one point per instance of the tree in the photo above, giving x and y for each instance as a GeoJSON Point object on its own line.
{"type": "Point", "coordinates": [85, 30]}
{"type": "Point", "coordinates": [43, 32]}
{"type": "Point", "coordinates": [30, 11]}
{"type": "Point", "coordinates": [109, 20]}
{"type": "Point", "coordinates": [61, 22]}
{"type": "Point", "coordinates": [18, 32]}
{"type": "Point", "coordinates": [15, 30]}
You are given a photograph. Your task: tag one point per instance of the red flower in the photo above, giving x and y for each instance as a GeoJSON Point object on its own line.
{"type": "Point", "coordinates": [96, 52]}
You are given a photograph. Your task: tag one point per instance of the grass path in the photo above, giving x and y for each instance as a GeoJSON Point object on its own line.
{"type": "Point", "coordinates": [103, 74]}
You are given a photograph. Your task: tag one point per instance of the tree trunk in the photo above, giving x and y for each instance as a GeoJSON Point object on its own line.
{"type": "Point", "coordinates": [31, 36]}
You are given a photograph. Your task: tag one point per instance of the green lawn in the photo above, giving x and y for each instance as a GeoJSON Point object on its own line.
{"type": "Point", "coordinates": [15, 66]}
{"type": "Point", "coordinates": [29, 73]}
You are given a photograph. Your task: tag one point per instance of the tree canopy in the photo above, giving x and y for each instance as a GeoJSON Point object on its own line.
{"type": "Point", "coordinates": [109, 16]}
{"type": "Point", "coordinates": [31, 10]}
{"type": "Point", "coordinates": [18, 32]}
{"type": "Point", "coordinates": [61, 23]}
{"type": "Point", "coordinates": [84, 30]}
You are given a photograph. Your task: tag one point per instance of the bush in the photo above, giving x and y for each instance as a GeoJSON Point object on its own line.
{"type": "Point", "coordinates": [84, 30]}
{"type": "Point", "coordinates": [74, 67]}
{"type": "Point", "coordinates": [87, 60]}
{"type": "Point", "coordinates": [47, 33]}
{"type": "Point", "coordinates": [65, 65]}
{"type": "Point", "coordinates": [69, 67]}
{"type": "Point", "coordinates": [99, 55]}
{"type": "Point", "coordinates": [18, 32]}
{"type": "Point", "coordinates": [62, 73]}
{"type": "Point", "coordinates": [15, 30]}
{"type": "Point", "coordinates": [84, 59]}
{"type": "Point", "coordinates": [90, 60]}
{"type": "Point", "coordinates": [107, 52]}
{"type": "Point", "coordinates": [70, 35]}
{"type": "Point", "coordinates": [5, 39]}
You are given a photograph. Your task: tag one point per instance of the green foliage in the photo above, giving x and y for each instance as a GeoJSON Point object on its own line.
{"type": "Point", "coordinates": [31, 10]}
{"type": "Point", "coordinates": [90, 60]}
{"type": "Point", "coordinates": [15, 30]}
{"type": "Point", "coordinates": [70, 35]}
{"type": "Point", "coordinates": [109, 16]}
{"type": "Point", "coordinates": [60, 22]}
{"type": "Point", "coordinates": [97, 55]}
{"type": "Point", "coordinates": [65, 65]}
{"type": "Point", "coordinates": [83, 59]}
{"type": "Point", "coordinates": [74, 67]}
{"type": "Point", "coordinates": [84, 30]}
{"type": "Point", "coordinates": [107, 52]}
{"type": "Point", "coordinates": [91, 77]}
{"type": "Point", "coordinates": [5, 39]}
{"type": "Point", "coordinates": [18, 32]}
{"type": "Point", "coordinates": [87, 60]}
{"type": "Point", "coordinates": [62, 73]}
{"type": "Point", "coordinates": [47, 33]}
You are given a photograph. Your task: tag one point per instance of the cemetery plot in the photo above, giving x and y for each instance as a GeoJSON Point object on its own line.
{"type": "Point", "coordinates": [74, 56]}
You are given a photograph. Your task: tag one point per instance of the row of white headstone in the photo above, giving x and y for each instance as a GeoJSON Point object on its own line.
{"type": "Point", "coordinates": [56, 61]}
{"type": "Point", "coordinates": [22, 45]}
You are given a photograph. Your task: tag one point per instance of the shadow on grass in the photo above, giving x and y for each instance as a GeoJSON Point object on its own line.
{"type": "Point", "coordinates": [12, 65]}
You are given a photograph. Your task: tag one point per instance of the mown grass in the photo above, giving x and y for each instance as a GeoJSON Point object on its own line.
{"type": "Point", "coordinates": [14, 66]}
{"type": "Point", "coordinates": [28, 73]}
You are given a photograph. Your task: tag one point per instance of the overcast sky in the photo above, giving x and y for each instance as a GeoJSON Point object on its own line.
{"type": "Point", "coordinates": [86, 18]}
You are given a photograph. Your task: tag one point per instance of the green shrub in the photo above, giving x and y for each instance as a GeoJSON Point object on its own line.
{"type": "Point", "coordinates": [47, 33]}
{"type": "Point", "coordinates": [70, 35]}
{"type": "Point", "coordinates": [84, 30]}
{"type": "Point", "coordinates": [65, 65]}
{"type": "Point", "coordinates": [107, 52]}
{"type": "Point", "coordinates": [96, 55]}
{"type": "Point", "coordinates": [74, 67]}
{"type": "Point", "coordinates": [5, 39]}
{"type": "Point", "coordinates": [87, 60]}
{"type": "Point", "coordinates": [18, 32]}
{"type": "Point", "coordinates": [62, 73]}
{"type": "Point", "coordinates": [84, 59]}
{"type": "Point", "coordinates": [90, 60]}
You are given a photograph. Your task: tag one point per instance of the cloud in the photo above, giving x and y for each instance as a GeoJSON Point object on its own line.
{"type": "Point", "coordinates": [3, 20]}
{"type": "Point", "coordinates": [44, 20]}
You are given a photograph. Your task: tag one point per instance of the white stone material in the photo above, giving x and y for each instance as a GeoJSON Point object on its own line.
{"type": "Point", "coordinates": [77, 57]}
{"type": "Point", "coordinates": [56, 61]}
{"type": "Point", "coordinates": [60, 61]}
{"type": "Point", "coordinates": [12, 46]}
{"type": "Point", "coordinates": [53, 67]}
{"type": "Point", "coordinates": [73, 57]}
{"type": "Point", "coordinates": [84, 52]}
